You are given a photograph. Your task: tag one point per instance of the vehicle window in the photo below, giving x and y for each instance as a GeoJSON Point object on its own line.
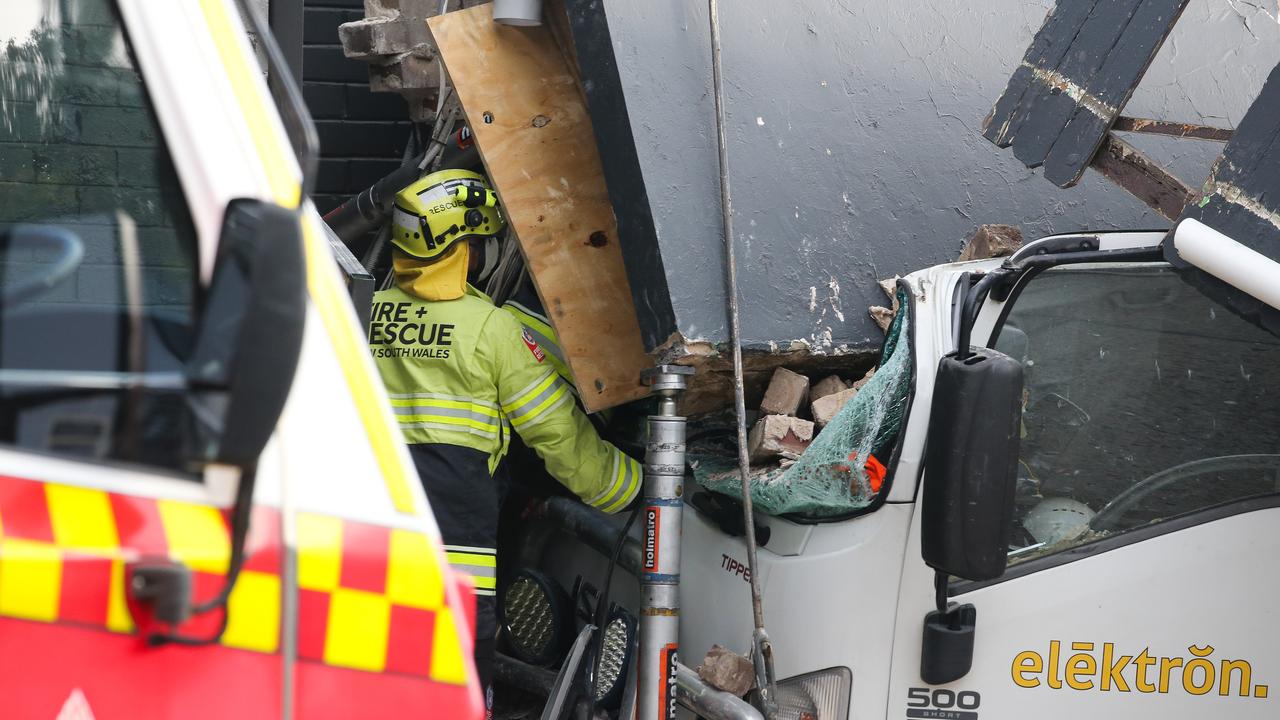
{"type": "Point", "coordinates": [846, 467]}
{"type": "Point", "coordinates": [1145, 400]}
{"type": "Point", "coordinates": [97, 270]}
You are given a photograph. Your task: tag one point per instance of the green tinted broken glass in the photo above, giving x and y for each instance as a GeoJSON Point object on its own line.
{"type": "Point", "coordinates": [843, 469]}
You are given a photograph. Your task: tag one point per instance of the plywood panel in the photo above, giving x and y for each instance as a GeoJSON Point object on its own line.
{"type": "Point", "coordinates": [531, 125]}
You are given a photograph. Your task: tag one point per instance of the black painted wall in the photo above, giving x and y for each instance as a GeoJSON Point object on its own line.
{"type": "Point", "coordinates": [854, 147]}
{"type": "Point", "coordinates": [362, 133]}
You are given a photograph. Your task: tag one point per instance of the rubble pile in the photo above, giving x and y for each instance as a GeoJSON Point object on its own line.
{"type": "Point", "coordinates": [794, 410]}
{"type": "Point", "coordinates": [821, 443]}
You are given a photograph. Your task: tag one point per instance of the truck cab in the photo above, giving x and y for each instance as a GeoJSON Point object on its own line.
{"type": "Point", "coordinates": [1099, 563]}
{"type": "Point", "coordinates": [206, 509]}
{"type": "Point", "coordinates": [1147, 481]}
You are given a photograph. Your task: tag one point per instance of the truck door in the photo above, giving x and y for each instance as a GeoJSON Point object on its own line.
{"type": "Point", "coordinates": [1148, 507]}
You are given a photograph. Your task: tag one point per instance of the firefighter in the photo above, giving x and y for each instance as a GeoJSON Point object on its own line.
{"type": "Point", "coordinates": [462, 374]}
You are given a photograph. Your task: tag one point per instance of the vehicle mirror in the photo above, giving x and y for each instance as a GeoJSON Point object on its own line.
{"type": "Point", "coordinates": [250, 331]}
{"type": "Point", "coordinates": [971, 464]}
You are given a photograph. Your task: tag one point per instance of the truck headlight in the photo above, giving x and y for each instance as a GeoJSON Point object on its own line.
{"type": "Point", "coordinates": [821, 695]}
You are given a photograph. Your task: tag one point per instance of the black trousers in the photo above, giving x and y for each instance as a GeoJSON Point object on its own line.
{"type": "Point", "coordinates": [465, 499]}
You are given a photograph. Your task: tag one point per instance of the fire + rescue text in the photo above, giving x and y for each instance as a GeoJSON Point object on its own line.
{"type": "Point", "coordinates": [391, 324]}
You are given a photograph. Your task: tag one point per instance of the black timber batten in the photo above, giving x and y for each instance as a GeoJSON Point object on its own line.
{"type": "Point", "coordinates": [622, 172]}
{"type": "Point", "coordinates": [1078, 73]}
{"type": "Point", "coordinates": [1241, 199]}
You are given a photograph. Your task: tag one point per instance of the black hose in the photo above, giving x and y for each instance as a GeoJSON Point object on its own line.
{"type": "Point", "coordinates": [589, 525]}
{"type": "Point", "coordinates": [366, 211]}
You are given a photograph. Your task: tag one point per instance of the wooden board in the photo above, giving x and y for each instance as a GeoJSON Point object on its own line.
{"type": "Point", "coordinates": [523, 104]}
{"type": "Point", "coordinates": [1124, 165]}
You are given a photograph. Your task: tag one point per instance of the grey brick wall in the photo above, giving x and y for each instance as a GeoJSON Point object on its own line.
{"type": "Point", "coordinates": [362, 133]}
{"type": "Point", "coordinates": [78, 142]}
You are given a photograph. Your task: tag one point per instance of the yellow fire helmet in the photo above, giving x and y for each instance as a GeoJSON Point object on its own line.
{"type": "Point", "coordinates": [442, 208]}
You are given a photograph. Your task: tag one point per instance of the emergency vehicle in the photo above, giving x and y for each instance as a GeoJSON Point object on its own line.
{"type": "Point", "coordinates": [206, 509]}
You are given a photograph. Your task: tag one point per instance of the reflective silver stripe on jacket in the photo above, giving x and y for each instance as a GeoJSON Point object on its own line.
{"type": "Point", "coordinates": [534, 403]}
{"type": "Point", "coordinates": [480, 563]}
{"type": "Point", "coordinates": [626, 482]}
{"type": "Point", "coordinates": [447, 412]}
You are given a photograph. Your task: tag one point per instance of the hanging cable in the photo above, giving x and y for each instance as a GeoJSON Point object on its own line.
{"type": "Point", "coordinates": [763, 655]}
{"type": "Point", "coordinates": [602, 608]}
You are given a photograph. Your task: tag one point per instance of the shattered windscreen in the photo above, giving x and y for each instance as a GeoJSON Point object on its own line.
{"type": "Point", "coordinates": [845, 467]}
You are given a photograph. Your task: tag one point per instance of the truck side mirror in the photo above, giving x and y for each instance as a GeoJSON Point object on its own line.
{"type": "Point", "coordinates": [250, 332]}
{"type": "Point", "coordinates": [971, 464]}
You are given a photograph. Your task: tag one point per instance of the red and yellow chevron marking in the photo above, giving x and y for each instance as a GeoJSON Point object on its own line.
{"type": "Point", "coordinates": [371, 598]}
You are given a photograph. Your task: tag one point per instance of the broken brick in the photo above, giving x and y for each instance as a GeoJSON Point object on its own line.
{"type": "Point", "coordinates": [826, 408]}
{"type": "Point", "coordinates": [890, 288]}
{"type": "Point", "coordinates": [777, 434]}
{"type": "Point", "coordinates": [991, 241]}
{"type": "Point", "coordinates": [829, 385]}
{"type": "Point", "coordinates": [786, 391]}
{"type": "Point", "coordinates": [728, 671]}
{"type": "Point", "coordinates": [882, 315]}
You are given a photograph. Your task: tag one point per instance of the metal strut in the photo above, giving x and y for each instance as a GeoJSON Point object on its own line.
{"type": "Point", "coordinates": [660, 551]}
{"type": "Point", "coordinates": [763, 655]}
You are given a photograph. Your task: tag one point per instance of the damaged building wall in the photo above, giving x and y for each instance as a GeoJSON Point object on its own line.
{"type": "Point", "coordinates": [362, 133]}
{"type": "Point", "coordinates": [855, 147]}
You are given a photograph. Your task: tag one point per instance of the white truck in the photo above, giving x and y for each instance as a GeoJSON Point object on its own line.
{"type": "Point", "coordinates": [1110, 438]}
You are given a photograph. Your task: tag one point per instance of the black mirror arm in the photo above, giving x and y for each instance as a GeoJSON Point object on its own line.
{"type": "Point", "coordinates": [940, 583]}
{"type": "Point", "coordinates": [969, 310]}
{"type": "Point", "coordinates": [239, 533]}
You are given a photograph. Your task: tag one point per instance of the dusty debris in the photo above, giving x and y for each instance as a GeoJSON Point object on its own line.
{"type": "Point", "coordinates": [711, 388]}
{"type": "Point", "coordinates": [991, 241]}
{"type": "Point", "coordinates": [786, 391]}
{"type": "Point", "coordinates": [882, 315]}
{"type": "Point", "coordinates": [829, 385]}
{"type": "Point", "coordinates": [777, 434]}
{"type": "Point", "coordinates": [393, 38]}
{"type": "Point", "coordinates": [826, 408]}
{"type": "Point", "coordinates": [727, 671]}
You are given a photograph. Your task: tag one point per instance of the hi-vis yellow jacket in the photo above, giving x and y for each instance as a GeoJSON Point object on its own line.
{"type": "Point", "coordinates": [540, 328]}
{"type": "Point", "coordinates": [463, 372]}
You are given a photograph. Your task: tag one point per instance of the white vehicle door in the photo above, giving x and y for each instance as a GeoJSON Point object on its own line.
{"type": "Point", "coordinates": [1148, 490]}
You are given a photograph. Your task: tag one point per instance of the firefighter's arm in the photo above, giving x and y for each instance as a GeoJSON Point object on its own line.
{"type": "Point", "coordinates": [543, 334]}
{"type": "Point", "coordinates": [540, 407]}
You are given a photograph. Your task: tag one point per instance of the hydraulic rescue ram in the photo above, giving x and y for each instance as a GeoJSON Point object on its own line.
{"type": "Point", "coordinates": [660, 550]}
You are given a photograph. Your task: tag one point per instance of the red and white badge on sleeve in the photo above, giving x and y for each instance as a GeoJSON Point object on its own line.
{"type": "Point", "coordinates": [532, 344]}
